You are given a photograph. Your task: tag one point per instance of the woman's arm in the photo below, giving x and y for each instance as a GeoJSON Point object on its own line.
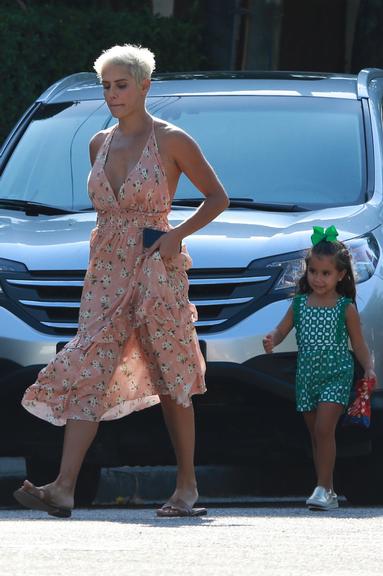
{"type": "Point", "coordinates": [188, 159]}
{"type": "Point", "coordinates": [358, 342]}
{"type": "Point", "coordinates": [194, 165]}
{"type": "Point", "coordinates": [275, 337]}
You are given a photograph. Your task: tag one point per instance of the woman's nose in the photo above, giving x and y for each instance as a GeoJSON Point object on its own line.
{"type": "Point", "coordinates": [112, 93]}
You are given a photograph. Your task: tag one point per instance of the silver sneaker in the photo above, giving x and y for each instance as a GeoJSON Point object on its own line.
{"type": "Point", "coordinates": [322, 499]}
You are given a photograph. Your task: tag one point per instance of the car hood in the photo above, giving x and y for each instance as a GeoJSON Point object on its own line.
{"type": "Point", "coordinates": [234, 239]}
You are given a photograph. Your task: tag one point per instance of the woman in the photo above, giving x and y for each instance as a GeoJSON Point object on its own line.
{"type": "Point", "coordinates": [136, 344]}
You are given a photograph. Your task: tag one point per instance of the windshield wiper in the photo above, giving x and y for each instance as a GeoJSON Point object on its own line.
{"type": "Point", "coordinates": [268, 206]}
{"type": "Point", "coordinates": [187, 201]}
{"type": "Point", "coordinates": [245, 203]}
{"type": "Point", "coordinates": [33, 208]}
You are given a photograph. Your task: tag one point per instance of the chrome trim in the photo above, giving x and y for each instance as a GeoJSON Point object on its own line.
{"type": "Point", "coordinates": [195, 281]}
{"type": "Point", "coordinates": [50, 304]}
{"type": "Point", "coordinates": [75, 324]}
{"type": "Point", "coordinates": [209, 322]}
{"type": "Point", "coordinates": [53, 304]}
{"type": "Point", "coordinates": [231, 280]}
{"type": "Point", "coordinates": [61, 324]}
{"type": "Point", "coordinates": [46, 282]}
{"type": "Point", "coordinates": [221, 302]}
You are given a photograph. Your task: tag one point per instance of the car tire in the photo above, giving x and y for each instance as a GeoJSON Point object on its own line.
{"type": "Point", "coordinates": [42, 472]}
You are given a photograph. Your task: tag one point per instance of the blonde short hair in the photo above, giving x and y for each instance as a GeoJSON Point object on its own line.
{"type": "Point", "coordinates": [139, 61]}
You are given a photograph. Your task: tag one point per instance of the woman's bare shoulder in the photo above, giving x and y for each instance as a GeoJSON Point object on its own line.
{"type": "Point", "coordinates": [99, 138]}
{"type": "Point", "coordinates": [96, 142]}
{"type": "Point", "coordinates": [170, 134]}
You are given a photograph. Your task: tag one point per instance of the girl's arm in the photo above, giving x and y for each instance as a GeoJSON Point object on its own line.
{"type": "Point", "coordinates": [275, 337]}
{"type": "Point", "coordinates": [358, 342]}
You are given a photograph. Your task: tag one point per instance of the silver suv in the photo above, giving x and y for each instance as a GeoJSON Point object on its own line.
{"type": "Point", "coordinates": [293, 150]}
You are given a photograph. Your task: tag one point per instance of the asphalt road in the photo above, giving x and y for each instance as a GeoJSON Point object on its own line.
{"type": "Point", "coordinates": [257, 541]}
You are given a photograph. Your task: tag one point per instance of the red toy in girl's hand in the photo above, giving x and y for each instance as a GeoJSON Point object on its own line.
{"type": "Point", "coordinates": [359, 412]}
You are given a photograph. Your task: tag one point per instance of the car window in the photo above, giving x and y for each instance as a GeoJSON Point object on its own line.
{"type": "Point", "coordinates": [274, 149]}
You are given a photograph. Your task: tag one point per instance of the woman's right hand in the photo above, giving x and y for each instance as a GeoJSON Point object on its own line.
{"type": "Point", "coordinates": [168, 245]}
{"type": "Point", "coordinates": [268, 343]}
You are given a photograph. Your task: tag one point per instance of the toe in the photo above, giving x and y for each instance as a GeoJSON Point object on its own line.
{"type": "Point", "coordinates": [29, 487]}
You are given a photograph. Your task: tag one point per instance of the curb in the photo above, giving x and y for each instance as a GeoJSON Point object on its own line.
{"type": "Point", "coordinates": [148, 485]}
{"type": "Point", "coordinates": [139, 485]}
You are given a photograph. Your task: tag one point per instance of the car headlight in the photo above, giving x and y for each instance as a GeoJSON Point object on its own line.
{"type": "Point", "coordinates": [364, 252]}
{"type": "Point", "coordinates": [365, 255]}
{"type": "Point", "coordinates": [291, 270]}
{"type": "Point", "coordinates": [10, 266]}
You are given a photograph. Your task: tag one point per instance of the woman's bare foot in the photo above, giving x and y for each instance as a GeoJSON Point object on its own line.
{"type": "Point", "coordinates": [187, 495]}
{"type": "Point", "coordinates": [52, 493]}
{"type": "Point", "coordinates": [181, 504]}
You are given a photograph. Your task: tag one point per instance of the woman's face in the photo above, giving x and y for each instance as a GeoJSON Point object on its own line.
{"type": "Point", "coordinates": [121, 92]}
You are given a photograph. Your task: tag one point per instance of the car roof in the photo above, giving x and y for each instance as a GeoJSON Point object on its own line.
{"type": "Point", "coordinates": [85, 85]}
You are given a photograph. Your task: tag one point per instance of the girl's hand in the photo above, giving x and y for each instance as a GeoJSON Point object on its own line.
{"type": "Point", "coordinates": [168, 245]}
{"type": "Point", "coordinates": [369, 374]}
{"type": "Point", "coordinates": [268, 343]}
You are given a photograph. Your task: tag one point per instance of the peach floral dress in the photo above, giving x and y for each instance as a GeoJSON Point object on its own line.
{"type": "Point", "coordinates": [136, 338]}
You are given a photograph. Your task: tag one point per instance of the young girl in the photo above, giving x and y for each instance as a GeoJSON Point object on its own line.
{"type": "Point", "coordinates": [324, 316]}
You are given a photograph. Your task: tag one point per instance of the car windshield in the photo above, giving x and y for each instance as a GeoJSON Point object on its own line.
{"type": "Point", "coordinates": [268, 149]}
{"type": "Point", "coordinates": [298, 150]}
{"type": "Point", "coordinates": [50, 164]}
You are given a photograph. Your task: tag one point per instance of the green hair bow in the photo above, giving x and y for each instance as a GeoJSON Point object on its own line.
{"type": "Point", "coordinates": [329, 235]}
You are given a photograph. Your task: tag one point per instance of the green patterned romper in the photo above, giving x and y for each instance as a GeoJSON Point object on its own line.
{"type": "Point", "coordinates": [325, 365]}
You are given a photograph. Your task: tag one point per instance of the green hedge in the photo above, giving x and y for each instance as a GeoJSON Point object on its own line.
{"type": "Point", "coordinates": [42, 44]}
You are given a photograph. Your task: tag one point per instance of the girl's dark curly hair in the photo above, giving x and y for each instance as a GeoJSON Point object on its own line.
{"type": "Point", "coordinates": [342, 259]}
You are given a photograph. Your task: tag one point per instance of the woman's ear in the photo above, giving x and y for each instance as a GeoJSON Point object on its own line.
{"type": "Point", "coordinates": [145, 85]}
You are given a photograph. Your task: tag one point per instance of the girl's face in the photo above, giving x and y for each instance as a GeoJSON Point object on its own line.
{"type": "Point", "coordinates": [121, 92]}
{"type": "Point", "coordinates": [322, 275]}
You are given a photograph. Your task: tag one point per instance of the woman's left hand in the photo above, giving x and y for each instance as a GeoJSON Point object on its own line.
{"type": "Point", "coordinates": [168, 244]}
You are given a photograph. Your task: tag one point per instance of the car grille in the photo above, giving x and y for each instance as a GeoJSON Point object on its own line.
{"type": "Point", "coordinates": [51, 303]}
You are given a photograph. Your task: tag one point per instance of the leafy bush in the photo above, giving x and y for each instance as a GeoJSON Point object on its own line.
{"type": "Point", "coordinates": [43, 43]}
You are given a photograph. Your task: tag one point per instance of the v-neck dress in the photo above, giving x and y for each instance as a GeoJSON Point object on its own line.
{"type": "Point", "coordinates": [136, 338]}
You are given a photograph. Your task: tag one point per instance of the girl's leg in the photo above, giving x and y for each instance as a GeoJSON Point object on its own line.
{"type": "Point", "coordinates": [78, 436]}
{"type": "Point", "coordinates": [327, 417]}
{"type": "Point", "coordinates": [180, 425]}
{"type": "Point", "coordinates": [310, 418]}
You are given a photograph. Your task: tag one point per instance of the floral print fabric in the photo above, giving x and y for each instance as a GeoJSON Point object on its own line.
{"type": "Point", "coordinates": [136, 338]}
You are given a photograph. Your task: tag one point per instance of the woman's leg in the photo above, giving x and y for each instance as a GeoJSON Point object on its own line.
{"type": "Point", "coordinates": [180, 425]}
{"type": "Point", "coordinates": [79, 434]}
{"type": "Point", "coordinates": [327, 417]}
